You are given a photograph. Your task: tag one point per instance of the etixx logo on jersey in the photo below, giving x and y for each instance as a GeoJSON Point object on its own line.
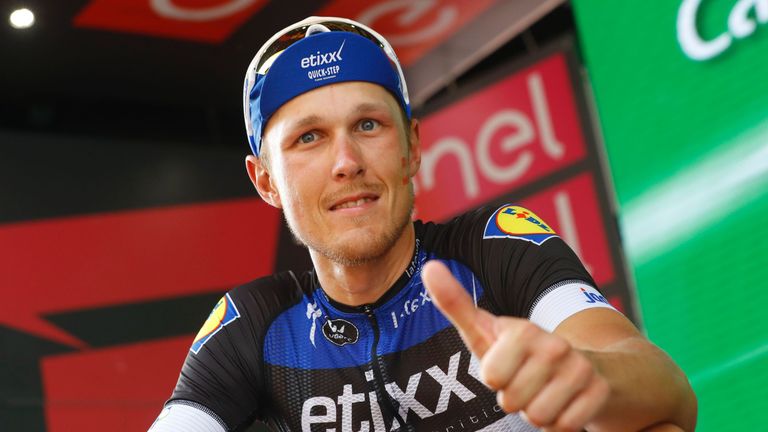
{"type": "Point", "coordinates": [223, 313]}
{"type": "Point", "coordinates": [511, 221]}
{"type": "Point", "coordinates": [340, 332]}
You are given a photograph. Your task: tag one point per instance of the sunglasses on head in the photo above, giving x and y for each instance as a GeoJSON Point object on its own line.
{"type": "Point", "coordinates": [286, 37]}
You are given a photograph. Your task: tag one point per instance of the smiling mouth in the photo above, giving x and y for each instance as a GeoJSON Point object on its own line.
{"type": "Point", "coordinates": [353, 202]}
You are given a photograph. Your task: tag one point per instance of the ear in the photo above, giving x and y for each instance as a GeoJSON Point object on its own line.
{"type": "Point", "coordinates": [262, 180]}
{"type": "Point", "coordinates": [415, 148]}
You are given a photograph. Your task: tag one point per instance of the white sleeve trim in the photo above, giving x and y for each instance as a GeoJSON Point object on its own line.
{"type": "Point", "coordinates": [182, 417]}
{"type": "Point", "coordinates": [563, 300]}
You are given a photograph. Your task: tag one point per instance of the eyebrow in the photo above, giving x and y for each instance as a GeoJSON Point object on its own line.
{"type": "Point", "coordinates": [305, 122]}
{"type": "Point", "coordinates": [369, 107]}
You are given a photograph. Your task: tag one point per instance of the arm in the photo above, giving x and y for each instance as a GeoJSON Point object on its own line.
{"type": "Point", "coordinates": [218, 387]}
{"type": "Point", "coordinates": [646, 386]}
{"type": "Point", "coordinates": [186, 418]}
{"type": "Point", "coordinates": [594, 371]}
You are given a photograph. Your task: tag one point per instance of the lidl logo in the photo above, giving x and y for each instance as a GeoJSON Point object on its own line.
{"type": "Point", "coordinates": [518, 222]}
{"type": "Point", "coordinates": [223, 313]}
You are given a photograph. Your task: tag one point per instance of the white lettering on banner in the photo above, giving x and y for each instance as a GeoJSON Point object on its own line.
{"type": "Point", "coordinates": [567, 222]}
{"type": "Point", "coordinates": [449, 145]}
{"type": "Point", "coordinates": [525, 133]}
{"type": "Point", "coordinates": [168, 9]}
{"type": "Point", "coordinates": [413, 10]}
{"type": "Point", "coordinates": [740, 25]}
{"type": "Point", "coordinates": [325, 411]}
{"type": "Point", "coordinates": [549, 142]}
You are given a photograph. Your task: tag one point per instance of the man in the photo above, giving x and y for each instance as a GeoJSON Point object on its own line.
{"type": "Point", "coordinates": [489, 322]}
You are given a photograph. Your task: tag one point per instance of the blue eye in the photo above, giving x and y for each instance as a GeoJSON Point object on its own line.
{"type": "Point", "coordinates": [368, 125]}
{"type": "Point", "coordinates": [307, 137]}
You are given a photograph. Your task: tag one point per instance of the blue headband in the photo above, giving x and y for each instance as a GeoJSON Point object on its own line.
{"type": "Point", "coordinates": [315, 61]}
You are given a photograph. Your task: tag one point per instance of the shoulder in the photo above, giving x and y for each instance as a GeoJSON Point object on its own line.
{"type": "Point", "coordinates": [515, 254]}
{"type": "Point", "coordinates": [225, 362]}
{"type": "Point", "coordinates": [484, 227]}
{"type": "Point", "coordinates": [496, 221]}
{"type": "Point", "coordinates": [274, 291]}
{"type": "Point", "coordinates": [444, 234]}
{"type": "Point", "coordinates": [246, 311]}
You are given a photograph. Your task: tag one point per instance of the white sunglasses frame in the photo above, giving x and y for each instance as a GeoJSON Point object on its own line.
{"type": "Point", "coordinates": [251, 72]}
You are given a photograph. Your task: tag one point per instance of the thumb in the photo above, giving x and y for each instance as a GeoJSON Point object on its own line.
{"type": "Point", "coordinates": [475, 325]}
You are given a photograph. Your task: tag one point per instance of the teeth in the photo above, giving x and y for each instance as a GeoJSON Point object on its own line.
{"type": "Point", "coordinates": [355, 203]}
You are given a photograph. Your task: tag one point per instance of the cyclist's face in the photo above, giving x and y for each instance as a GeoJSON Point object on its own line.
{"type": "Point", "coordinates": [341, 160]}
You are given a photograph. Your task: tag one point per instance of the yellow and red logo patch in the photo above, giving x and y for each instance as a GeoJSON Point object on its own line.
{"type": "Point", "coordinates": [511, 221]}
{"type": "Point", "coordinates": [222, 314]}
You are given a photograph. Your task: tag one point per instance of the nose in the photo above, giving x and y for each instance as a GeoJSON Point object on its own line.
{"type": "Point", "coordinates": [348, 158]}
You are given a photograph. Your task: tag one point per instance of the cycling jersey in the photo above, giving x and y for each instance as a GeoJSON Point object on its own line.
{"type": "Point", "coordinates": [280, 350]}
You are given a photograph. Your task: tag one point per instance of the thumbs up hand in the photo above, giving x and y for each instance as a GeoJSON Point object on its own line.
{"type": "Point", "coordinates": [532, 371]}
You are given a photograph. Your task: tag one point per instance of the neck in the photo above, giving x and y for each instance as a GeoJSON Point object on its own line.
{"type": "Point", "coordinates": [367, 282]}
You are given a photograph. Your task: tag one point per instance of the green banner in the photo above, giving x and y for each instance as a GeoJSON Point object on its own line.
{"type": "Point", "coordinates": [681, 89]}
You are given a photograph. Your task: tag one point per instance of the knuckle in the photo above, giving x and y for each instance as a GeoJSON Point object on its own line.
{"type": "Point", "coordinates": [490, 376]}
{"type": "Point", "coordinates": [507, 402]}
{"type": "Point", "coordinates": [475, 345]}
{"type": "Point", "coordinates": [582, 368]}
{"type": "Point", "coordinates": [535, 417]}
{"type": "Point", "coordinates": [555, 348]}
{"type": "Point", "coordinates": [566, 425]}
{"type": "Point", "coordinates": [528, 331]}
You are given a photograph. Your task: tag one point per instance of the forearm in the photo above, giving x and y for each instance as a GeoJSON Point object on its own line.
{"type": "Point", "coordinates": [647, 388]}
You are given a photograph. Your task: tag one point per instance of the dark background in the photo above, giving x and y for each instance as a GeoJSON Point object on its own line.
{"type": "Point", "coordinates": [68, 81]}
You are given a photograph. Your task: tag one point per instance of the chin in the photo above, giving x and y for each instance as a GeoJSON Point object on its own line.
{"type": "Point", "coordinates": [368, 239]}
{"type": "Point", "coordinates": [357, 246]}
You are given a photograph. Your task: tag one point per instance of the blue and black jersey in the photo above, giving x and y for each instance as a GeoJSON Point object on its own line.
{"type": "Point", "coordinates": [278, 349]}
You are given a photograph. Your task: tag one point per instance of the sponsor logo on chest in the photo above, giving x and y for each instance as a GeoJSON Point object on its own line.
{"type": "Point", "coordinates": [438, 384]}
{"type": "Point", "coordinates": [340, 332]}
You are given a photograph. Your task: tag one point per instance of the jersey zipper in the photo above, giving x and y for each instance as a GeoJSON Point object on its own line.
{"type": "Point", "coordinates": [380, 374]}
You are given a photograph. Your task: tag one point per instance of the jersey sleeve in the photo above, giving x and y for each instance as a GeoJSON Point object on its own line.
{"type": "Point", "coordinates": [181, 417]}
{"type": "Point", "coordinates": [223, 372]}
{"type": "Point", "coordinates": [520, 260]}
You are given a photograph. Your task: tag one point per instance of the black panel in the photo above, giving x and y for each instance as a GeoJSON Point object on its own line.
{"type": "Point", "coordinates": [21, 391]}
{"type": "Point", "coordinates": [136, 322]}
{"type": "Point", "coordinates": [291, 255]}
{"type": "Point", "coordinates": [42, 176]}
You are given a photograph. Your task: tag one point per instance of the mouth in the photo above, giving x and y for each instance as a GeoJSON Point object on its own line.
{"type": "Point", "coordinates": [355, 201]}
